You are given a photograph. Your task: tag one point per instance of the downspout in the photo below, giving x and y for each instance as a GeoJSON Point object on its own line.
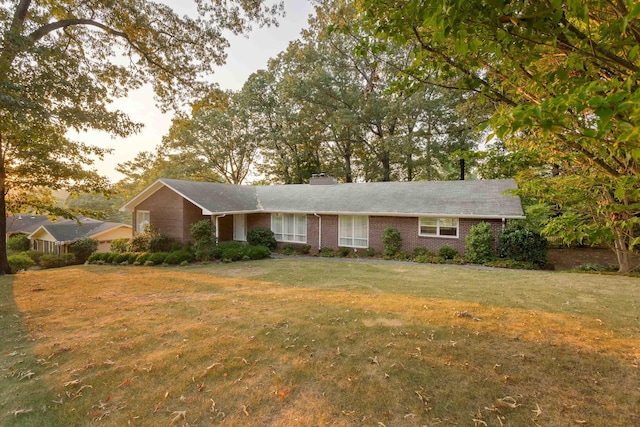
{"type": "Point", "coordinates": [218, 228]}
{"type": "Point", "coordinates": [504, 223]}
{"type": "Point", "coordinates": [319, 231]}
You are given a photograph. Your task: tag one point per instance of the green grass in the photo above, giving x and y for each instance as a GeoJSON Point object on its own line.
{"type": "Point", "coordinates": [318, 342]}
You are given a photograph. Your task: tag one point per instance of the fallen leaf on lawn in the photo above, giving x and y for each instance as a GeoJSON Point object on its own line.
{"type": "Point", "coordinates": [178, 416]}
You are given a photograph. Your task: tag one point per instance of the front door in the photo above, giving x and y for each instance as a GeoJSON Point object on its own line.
{"type": "Point", "coordinates": [240, 227]}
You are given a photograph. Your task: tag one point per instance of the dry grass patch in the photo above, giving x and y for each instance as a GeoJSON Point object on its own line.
{"type": "Point", "coordinates": [322, 344]}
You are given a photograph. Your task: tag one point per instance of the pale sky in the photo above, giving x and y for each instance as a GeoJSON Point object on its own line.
{"type": "Point", "coordinates": [245, 56]}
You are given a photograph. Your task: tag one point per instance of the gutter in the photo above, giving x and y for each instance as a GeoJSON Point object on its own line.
{"type": "Point", "coordinates": [319, 230]}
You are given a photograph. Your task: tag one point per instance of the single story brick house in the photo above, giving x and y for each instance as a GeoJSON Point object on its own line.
{"type": "Point", "coordinates": [324, 213]}
{"type": "Point", "coordinates": [54, 236]}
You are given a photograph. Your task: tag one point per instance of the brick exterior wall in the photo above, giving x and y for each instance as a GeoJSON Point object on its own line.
{"type": "Point", "coordinates": [259, 220]}
{"type": "Point", "coordinates": [408, 227]}
{"type": "Point", "coordinates": [170, 213]}
{"type": "Point", "coordinates": [411, 239]}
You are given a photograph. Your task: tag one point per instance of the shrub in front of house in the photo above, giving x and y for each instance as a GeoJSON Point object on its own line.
{"type": "Point", "coordinates": [403, 256]}
{"type": "Point", "coordinates": [257, 252]}
{"type": "Point", "coordinates": [203, 234]}
{"type": "Point", "coordinates": [260, 236]}
{"type": "Point", "coordinates": [120, 245]}
{"type": "Point", "coordinates": [327, 252]}
{"type": "Point", "coordinates": [143, 257]}
{"type": "Point", "coordinates": [518, 243]}
{"type": "Point", "coordinates": [151, 240]}
{"type": "Point", "coordinates": [18, 243]}
{"type": "Point", "coordinates": [139, 243]}
{"type": "Point", "coordinates": [20, 262]}
{"type": "Point", "coordinates": [157, 258]}
{"type": "Point", "coordinates": [123, 257]}
{"type": "Point", "coordinates": [513, 264]}
{"type": "Point", "coordinates": [447, 252]}
{"type": "Point", "coordinates": [160, 242]}
{"type": "Point", "coordinates": [288, 249]}
{"type": "Point", "coordinates": [231, 251]}
{"type": "Point", "coordinates": [419, 251]}
{"type": "Point", "coordinates": [428, 258]}
{"type": "Point", "coordinates": [94, 258]}
{"type": "Point", "coordinates": [54, 261]}
{"type": "Point", "coordinates": [304, 249]}
{"type": "Point", "coordinates": [178, 257]}
{"type": "Point", "coordinates": [295, 248]}
{"type": "Point", "coordinates": [392, 241]}
{"type": "Point", "coordinates": [344, 251]}
{"type": "Point", "coordinates": [368, 252]}
{"type": "Point", "coordinates": [83, 248]}
{"type": "Point", "coordinates": [34, 255]}
{"type": "Point", "coordinates": [479, 244]}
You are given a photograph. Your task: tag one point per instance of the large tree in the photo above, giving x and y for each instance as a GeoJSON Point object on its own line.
{"type": "Point", "coordinates": [563, 76]}
{"type": "Point", "coordinates": [326, 105]}
{"type": "Point", "coordinates": [62, 62]}
{"type": "Point", "coordinates": [217, 137]}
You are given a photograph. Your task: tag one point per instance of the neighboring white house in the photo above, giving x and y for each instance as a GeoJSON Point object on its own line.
{"type": "Point", "coordinates": [54, 236]}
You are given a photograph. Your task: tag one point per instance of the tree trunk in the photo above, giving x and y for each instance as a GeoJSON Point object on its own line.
{"type": "Point", "coordinates": [348, 173]}
{"type": "Point", "coordinates": [386, 166]}
{"type": "Point", "coordinates": [4, 263]}
{"type": "Point", "coordinates": [622, 253]}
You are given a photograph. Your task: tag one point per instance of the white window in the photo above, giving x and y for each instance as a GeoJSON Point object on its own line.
{"type": "Point", "coordinates": [440, 227]}
{"type": "Point", "coordinates": [143, 218]}
{"type": "Point", "coordinates": [353, 231]}
{"type": "Point", "coordinates": [289, 227]}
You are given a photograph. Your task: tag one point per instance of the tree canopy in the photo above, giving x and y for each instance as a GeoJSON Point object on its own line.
{"type": "Point", "coordinates": [562, 75]}
{"type": "Point", "coordinates": [63, 62]}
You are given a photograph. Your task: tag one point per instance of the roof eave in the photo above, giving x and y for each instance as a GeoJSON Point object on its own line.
{"type": "Point", "coordinates": [403, 214]}
{"type": "Point", "coordinates": [151, 190]}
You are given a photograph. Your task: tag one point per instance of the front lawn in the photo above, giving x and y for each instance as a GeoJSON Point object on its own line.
{"type": "Point", "coordinates": [318, 342]}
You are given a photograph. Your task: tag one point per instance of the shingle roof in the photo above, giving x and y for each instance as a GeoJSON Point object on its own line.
{"type": "Point", "coordinates": [68, 230]}
{"type": "Point", "coordinates": [25, 223]}
{"type": "Point", "coordinates": [480, 198]}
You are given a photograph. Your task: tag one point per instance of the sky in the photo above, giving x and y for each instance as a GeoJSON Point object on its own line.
{"type": "Point", "coordinates": [245, 56]}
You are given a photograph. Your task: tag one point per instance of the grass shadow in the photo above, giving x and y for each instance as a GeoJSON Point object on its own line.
{"type": "Point", "coordinates": [24, 399]}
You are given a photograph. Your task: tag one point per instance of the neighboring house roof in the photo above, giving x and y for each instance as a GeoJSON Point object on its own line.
{"type": "Point", "coordinates": [69, 230]}
{"type": "Point", "coordinates": [470, 199]}
{"type": "Point", "coordinates": [25, 223]}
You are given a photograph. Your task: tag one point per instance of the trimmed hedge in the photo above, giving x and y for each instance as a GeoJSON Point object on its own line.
{"type": "Point", "coordinates": [158, 257]}
{"type": "Point", "coordinates": [227, 251]}
{"type": "Point", "coordinates": [54, 261]}
{"type": "Point", "coordinates": [178, 257]}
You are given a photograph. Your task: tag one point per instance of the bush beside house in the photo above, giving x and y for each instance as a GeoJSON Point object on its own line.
{"type": "Point", "coordinates": [479, 244]}
{"type": "Point", "coordinates": [83, 248]}
{"type": "Point", "coordinates": [19, 262]}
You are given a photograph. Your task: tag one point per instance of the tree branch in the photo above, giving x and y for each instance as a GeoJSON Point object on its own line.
{"type": "Point", "coordinates": [19, 15]}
